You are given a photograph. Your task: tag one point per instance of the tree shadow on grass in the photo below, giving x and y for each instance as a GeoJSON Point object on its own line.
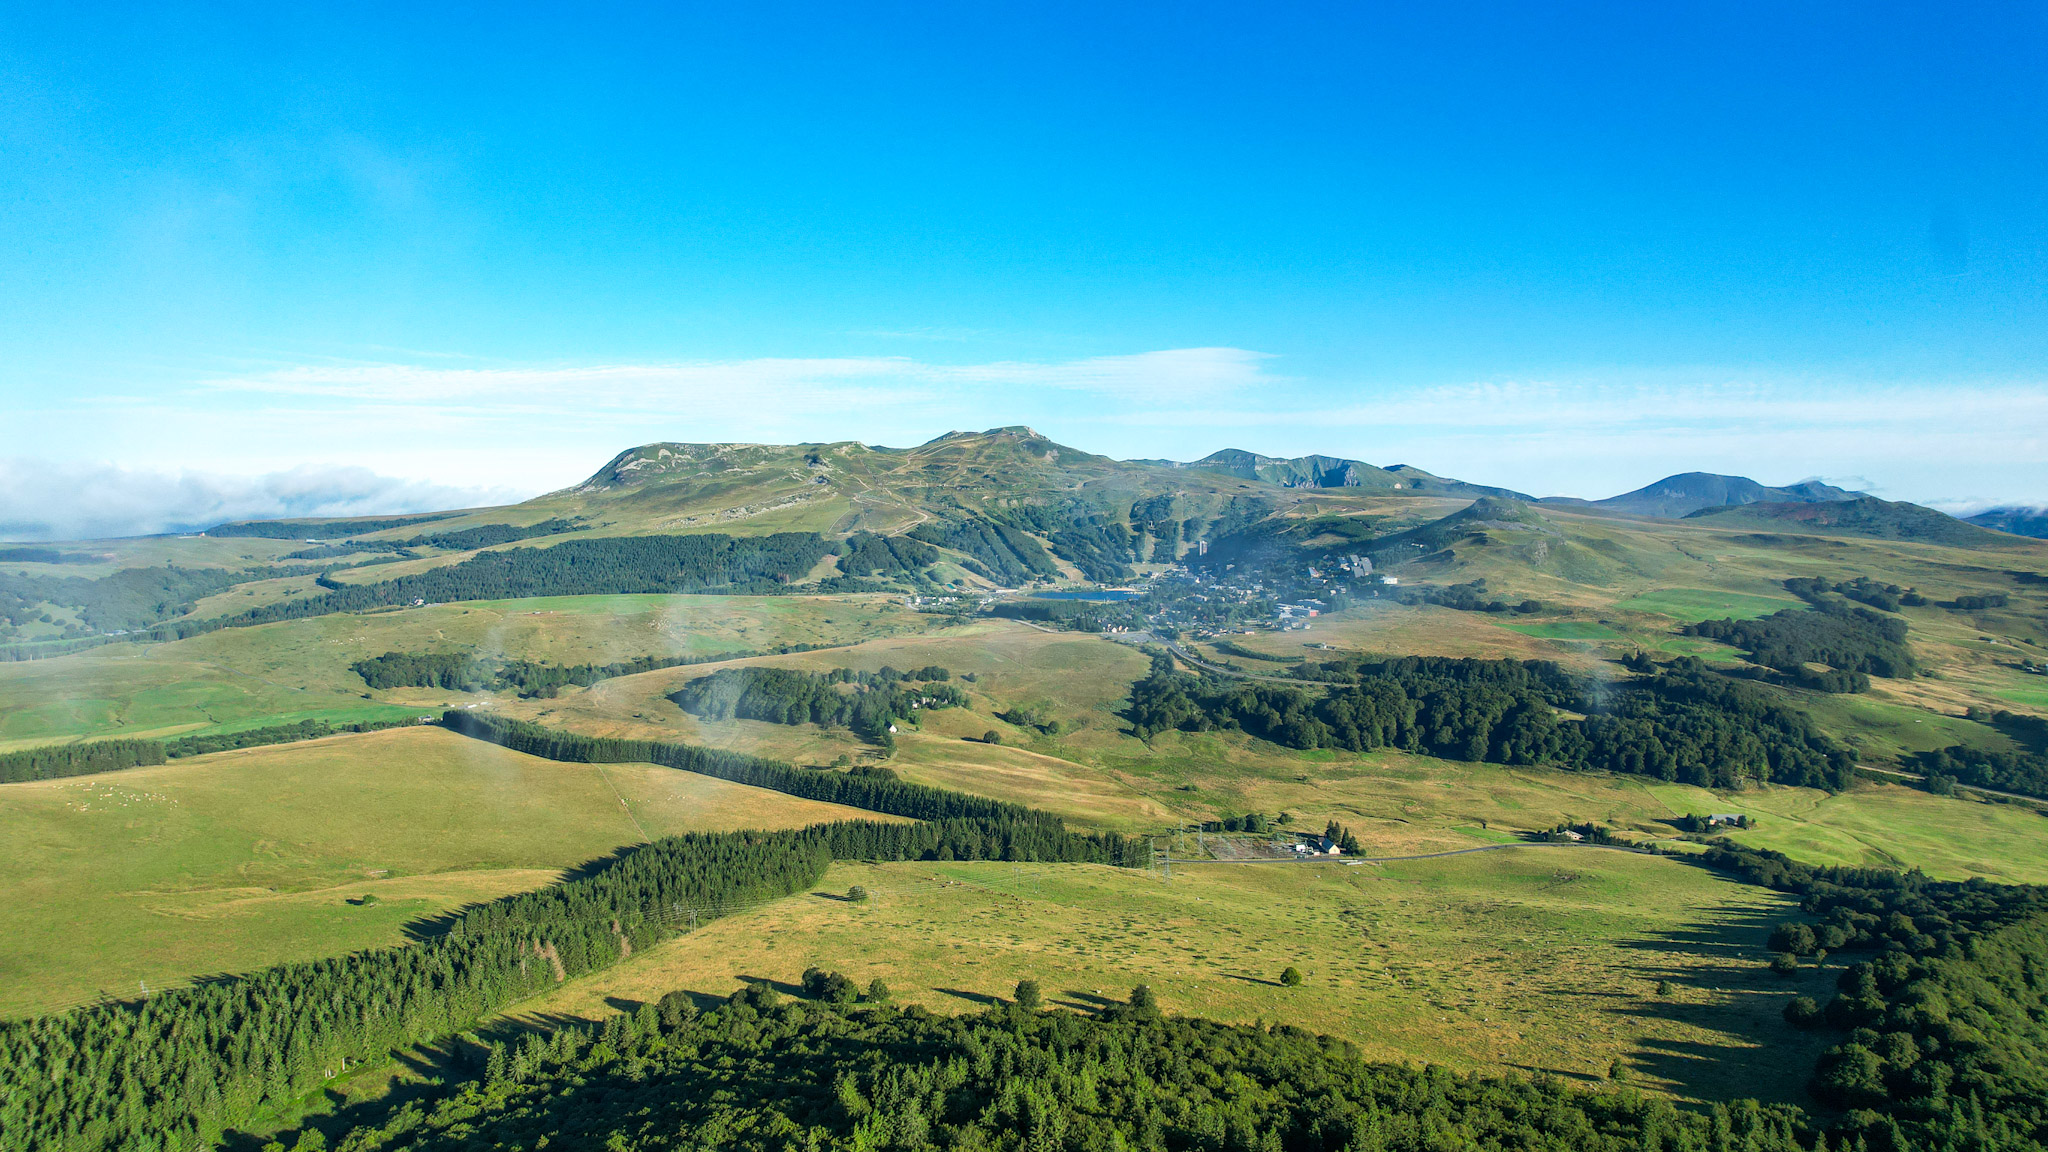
{"type": "Point", "coordinates": [782, 986]}
{"type": "Point", "coordinates": [1560, 1073]}
{"type": "Point", "coordinates": [1253, 980]}
{"type": "Point", "coordinates": [1081, 1001]}
{"type": "Point", "coordinates": [1723, 990]}
{"type": "Point", "coordinates": [432, 1071]}
{"type": "Point", "coordinates": [981, 998]}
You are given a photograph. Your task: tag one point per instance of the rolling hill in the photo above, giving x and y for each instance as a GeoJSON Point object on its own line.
{"type": "Point", "coordinates": [2018, 521]}
{"type": "Point", "coordinates": [1003, 508]}
{"type": "Point", "coordinates": [1689, 492]}
{"type": "Point", "coordinates": [1331, 472]}
{"type": "Point", "coordinates": [796, 572]}
{"type": "Point", "coordinates": [1861, 516]}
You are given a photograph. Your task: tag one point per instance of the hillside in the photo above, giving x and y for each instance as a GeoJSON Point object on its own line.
{"type": "Point", "coordinates": [969, 512]}
{"type": "Point", "coordinates": [892, 656]}
{"type": "Point", "coordinates": [1860, 516]}
{"type": "Point", "coordinates": [1688, 492]}
{"type": "Point", "coordinates": [2017, 521]}
{"type": "Point", "coordinates": [1331, 472]}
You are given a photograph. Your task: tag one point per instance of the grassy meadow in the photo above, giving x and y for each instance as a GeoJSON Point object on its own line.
{"type": "Point", "coordinates": [280, 673]}
{"type": "Point", "coordinates": [228, 862]}
{"type": "Point", "coordinates": [1531, 958]}
{"type": "Point", "coordinates": [1096, 774]}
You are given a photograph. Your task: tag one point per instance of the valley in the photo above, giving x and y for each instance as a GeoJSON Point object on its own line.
{"type": "Point", "coordinates": [1028, 757]}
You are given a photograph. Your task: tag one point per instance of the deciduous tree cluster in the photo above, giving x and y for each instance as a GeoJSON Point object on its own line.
{"type": "Point", "coordinates": [1683, 722]}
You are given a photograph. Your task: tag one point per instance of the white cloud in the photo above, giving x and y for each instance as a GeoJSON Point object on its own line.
{"type": "Point", "coordinates": [534, 428]}
{"type": "Point", "coordinates": [732, 384]}
{"type": "Point", "coordinates": [45, 501]}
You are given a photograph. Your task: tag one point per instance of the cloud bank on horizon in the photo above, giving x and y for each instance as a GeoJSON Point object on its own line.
{"type": "Point", "coordinates": [71, 501]}
{"type": "Point", "coordinates": [377, 437]}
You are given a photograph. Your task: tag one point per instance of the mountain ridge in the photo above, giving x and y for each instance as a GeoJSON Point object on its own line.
{"type": "Point", "coordinates": [1866, 516]}
{"type": "Point", "coordinates": [1684, 493]}
{"type": "Point", "coordinates": [1318, 471]}
{"type": "Point", "coordinates": [2016, 520]}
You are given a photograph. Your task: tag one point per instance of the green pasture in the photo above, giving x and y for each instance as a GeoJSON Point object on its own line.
{"type": "Point", "coordinates": [229, 862]}
{"type": "Point", "coordinates": [248, 677]}
{"type": "Point", "coordinates": [1096, 774]}
{"type": "Point", "coordinates": [1526, 959]}
{"type": "Point", "coordinates": [1691, 605]}
{"type": "Point", "coordinates": [1567, 630]}
{"type": "Point", "coordinates": [1886, 826]}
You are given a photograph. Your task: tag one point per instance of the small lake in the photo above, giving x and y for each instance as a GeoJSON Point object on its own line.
{"type": "Point", "coordinates": [1086, 595]}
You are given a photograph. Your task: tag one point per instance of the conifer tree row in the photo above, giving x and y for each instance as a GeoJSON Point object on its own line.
{"type": "Point", "coordinates": [171, 1073]}
{"type": "Point", "coordinates": [89, 756]}
{"type": "Point", "coordinates": [466, 672]}
{"type": "Point", "coordinates": [55, 760]}
{"type": "Point", "coordinates": [581, 567]}
{"type": "Point", "coordinates": [760, 1073]}
{"type": "Point", "coordinates": [874, 793]}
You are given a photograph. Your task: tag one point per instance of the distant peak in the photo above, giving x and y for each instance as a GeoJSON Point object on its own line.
{"type": "Point", "coordinates": [1018, 430]}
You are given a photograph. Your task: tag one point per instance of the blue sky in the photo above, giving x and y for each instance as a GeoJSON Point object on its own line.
{"type": "Point", "coordinates": [1563, 248]}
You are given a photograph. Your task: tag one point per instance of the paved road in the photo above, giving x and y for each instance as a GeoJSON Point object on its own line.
{"type": "Point", "coordinates": [1959, 786]}
{"type": "Point", "coordinates": [1205, 666]}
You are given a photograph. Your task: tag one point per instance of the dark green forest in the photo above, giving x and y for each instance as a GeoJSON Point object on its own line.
{"type": "Point", "coordinates": [867, 554]}
{"type": "Point", "coordinates": [1862, 589]}
{"type": "Point", "coordinates": [2023, 772]}
{"type": "Point", "coordinates": [274, 734]}
{"type": "Point", "coordinates": [865, 702]}
{"type": "Point", "coordinates": [31, 555]}
{"type": "Point", "coordinates": [1944, 1031]}
{"type": "Point", "coordinates": [995, 551]}
{"type": "Point", "coordinates": [1468, 597]}
{"type": "Point", "coordinates": [487, 535]}
{"type": "Point", "coordinates": [1019, 832]}
{"type": "Point", "coordinates": [761, 1072]}
{"type": "Point", "coordinates": [322, 529]}
{"type": "Point", "coordinates": [458, 540]}
{"type": "Point", "coordinates": [83, 758]}
{"type": "Point", "coordinates": [1681, 722]}
{"type": "Point", "coordinates": [604, 566]}
{"type": "Point", "coordinates": [1854, 641]}
{"type": "Point", "coordinates": [453, 671]}
{"type": "Point", "coordinates": [89, 756]}
{"type": "Point", "coordinates": [140, 600]}
{"type": "Point", "coordinates": [460, 672]}
{"type": "Point", "coordinates": [175, 1070]}
{"type": "Point", "coordinates": [127, 600]}
{"type": "Point", "coordinates": [1097, 544]}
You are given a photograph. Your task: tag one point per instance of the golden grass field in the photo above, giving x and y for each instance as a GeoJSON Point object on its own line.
{"type": "Point", "coordinates": [1528, 958]}
{"type": "Point", "coordinates": [228, 862]}
{"type": "Point", "coordinates": [1096, 774]}
{"type": "Point", "coordinates": [1531, 958]}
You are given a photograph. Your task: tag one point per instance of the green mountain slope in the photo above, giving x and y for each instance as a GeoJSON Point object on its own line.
{"type": "Point", "coordinates": [1862, 516]}
{"type": "Point", "coordinates": [1331, 472]}
{"type": "Point", "coordinates": [1689, 492]}
{"type": "Point", "coordinates": [2018, 521]}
